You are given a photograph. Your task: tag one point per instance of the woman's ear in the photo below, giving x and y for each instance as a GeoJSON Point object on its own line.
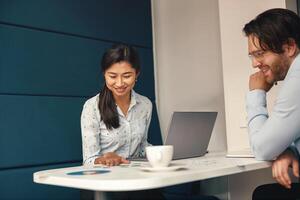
{"type": "Point", "coordinates": [137, 75]}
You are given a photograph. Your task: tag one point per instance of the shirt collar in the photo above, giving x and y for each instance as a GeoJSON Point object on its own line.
{"type": "Point", "coordinates": [133, 100]}
{"type": "Point", "coordinates": [295, 65]}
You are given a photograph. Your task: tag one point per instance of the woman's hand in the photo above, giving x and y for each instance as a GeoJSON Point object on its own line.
{"type": "Point", "coordinates": [111, 159]}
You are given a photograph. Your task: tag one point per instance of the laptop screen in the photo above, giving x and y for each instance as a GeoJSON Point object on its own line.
{"type": "Point", "coordinates": [190, 132]}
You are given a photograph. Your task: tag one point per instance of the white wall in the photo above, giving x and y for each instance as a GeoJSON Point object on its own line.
{"type": "Point", "coordinates": [188, 61]}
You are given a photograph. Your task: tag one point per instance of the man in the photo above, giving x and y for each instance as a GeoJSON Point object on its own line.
{"type": "Point", "coordinates": [273, 45]}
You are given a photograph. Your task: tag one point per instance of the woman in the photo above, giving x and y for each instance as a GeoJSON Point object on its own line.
{"type": "Point", "coordinates": [114, 123]}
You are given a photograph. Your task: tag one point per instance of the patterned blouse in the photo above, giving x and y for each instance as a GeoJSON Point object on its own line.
{"type": "Point", "coordinates": [128, 140]}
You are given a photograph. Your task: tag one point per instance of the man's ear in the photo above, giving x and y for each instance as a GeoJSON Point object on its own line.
{"type": "Point", "coordinates": [290, 48]}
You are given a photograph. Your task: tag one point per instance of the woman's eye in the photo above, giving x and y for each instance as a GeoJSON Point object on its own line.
{"type": "Point", "coordinates": [112, 77]}
{"type": "Point", "coordinates": [127, 76]}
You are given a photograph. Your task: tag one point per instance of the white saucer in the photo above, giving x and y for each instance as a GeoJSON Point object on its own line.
{"type": "Point", "coordinates": [163, 169]}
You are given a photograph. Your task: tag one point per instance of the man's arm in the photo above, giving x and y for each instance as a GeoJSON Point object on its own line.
{"type": "Point", "coordinates": [270, 136]}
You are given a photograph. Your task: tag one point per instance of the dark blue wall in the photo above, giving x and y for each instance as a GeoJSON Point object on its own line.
{"type": "Point", "coordinates": [50, 52]}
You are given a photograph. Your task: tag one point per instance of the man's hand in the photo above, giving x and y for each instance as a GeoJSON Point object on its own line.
{"type": "Point", "coordinates": [281, 166]}
{"type": "Point", "coordinates": [258, 81]}
{"type": "Point", "coordinates": [111, 159]}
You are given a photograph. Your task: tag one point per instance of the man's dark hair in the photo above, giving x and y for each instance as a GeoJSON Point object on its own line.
{"type": "Point", "coordinates": [274, 28]}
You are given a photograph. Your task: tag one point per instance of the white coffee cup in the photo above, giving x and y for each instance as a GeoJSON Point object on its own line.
{"type": "Point", "coordinates": [159, 156]}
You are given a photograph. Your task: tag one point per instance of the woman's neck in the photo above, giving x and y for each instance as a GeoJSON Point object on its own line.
{"type": "Point", "coordinates": [123, 102]}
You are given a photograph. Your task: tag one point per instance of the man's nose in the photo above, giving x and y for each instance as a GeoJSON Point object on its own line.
{"type": "Point", "coordinates": [255, 62]}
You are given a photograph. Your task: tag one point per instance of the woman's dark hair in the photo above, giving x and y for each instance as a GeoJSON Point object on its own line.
{"type": "Point", "coordinates": [107, 106]}
{"type": "Point", "coordinates": [274, 28]}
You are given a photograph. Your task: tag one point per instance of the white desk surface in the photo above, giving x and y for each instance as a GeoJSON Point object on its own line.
{"type": "Point", "coordinates": [133, 178]}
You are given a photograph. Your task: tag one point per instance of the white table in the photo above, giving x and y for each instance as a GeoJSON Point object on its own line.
{"type": "Point", "coordinates": [130, 178]}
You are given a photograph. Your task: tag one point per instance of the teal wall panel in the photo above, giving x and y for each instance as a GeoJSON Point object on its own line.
{"type": "Point", "coordinates": [50, 57]}
{"type": "Point", "coordinates": [35, 62]}
{"type": "Point", "coordinates": [18, 184]}
{"type": "Point", "coordinates": [37, 130]}
{"type": "Point", "coordinates": [113, 20]}
{"type": "Point", "coordinates": [145, 84]}
{"type": "Point", "coordinates": [154, 135]}
{"type": "Point", "coordinates": [45, 130]}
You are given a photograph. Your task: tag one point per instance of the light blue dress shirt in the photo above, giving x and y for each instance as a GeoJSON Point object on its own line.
{"type": "Point", "coordinates": [128, 140]}
{"type": "Point", "coordinates": [271, 135]}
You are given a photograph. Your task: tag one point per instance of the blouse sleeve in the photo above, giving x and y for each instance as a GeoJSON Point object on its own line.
{"type": "Point", "coordinates": [145, 143]}
{"type": "Point", "coordinates": [90, 133]}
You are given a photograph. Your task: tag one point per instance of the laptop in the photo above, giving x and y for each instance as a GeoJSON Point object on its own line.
{"type": "Point", "coordinates": [189, 133]}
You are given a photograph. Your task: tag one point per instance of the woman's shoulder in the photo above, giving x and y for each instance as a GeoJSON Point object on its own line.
{"type": "Point", "coordinates": [143, 99]}
{"type": "Point", "coordinates": [90, 109]}
{"type": "Point", "coordinates": [92, 101]}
